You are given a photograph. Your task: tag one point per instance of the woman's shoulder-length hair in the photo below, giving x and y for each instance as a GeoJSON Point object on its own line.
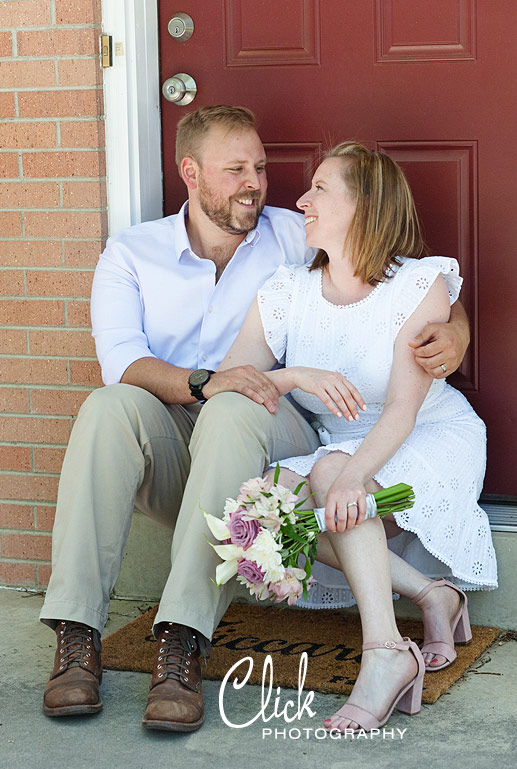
{"type": "Point", "coordinates": [385, 224]}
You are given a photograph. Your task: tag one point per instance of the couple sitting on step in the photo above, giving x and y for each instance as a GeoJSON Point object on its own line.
{"type": "Point", "coordinates": [191, 316]}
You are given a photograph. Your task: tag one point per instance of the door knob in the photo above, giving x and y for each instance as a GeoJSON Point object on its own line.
{"type": "Point", "coordinates": [181, 27]}
{"type": "Point", "coordinates": [181, 89]}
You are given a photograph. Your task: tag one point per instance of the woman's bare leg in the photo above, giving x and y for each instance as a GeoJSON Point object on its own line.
{"type": "Point", "coordinates": [438, 607]}
{"type": "Point", "coordinates": [363, 555]}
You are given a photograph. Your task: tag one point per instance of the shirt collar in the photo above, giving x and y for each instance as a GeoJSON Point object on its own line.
{"type": "Point", "coordinates": [253, 236]}
{"type": "Point", "coordinates": [182, 243]}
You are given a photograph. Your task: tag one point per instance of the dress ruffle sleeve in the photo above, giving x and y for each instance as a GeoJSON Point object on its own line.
{"type": "Point", "coordinates": [274, 302]}
{"type": "Point", "coordinates": [415, 277]}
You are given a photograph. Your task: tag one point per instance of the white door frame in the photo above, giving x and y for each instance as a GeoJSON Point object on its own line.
{"type": "Point", "coordinates": [132, 113]}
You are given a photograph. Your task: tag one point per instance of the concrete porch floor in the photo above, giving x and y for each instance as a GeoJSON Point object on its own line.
{"type": "Point", "coordinates": [473, 726]}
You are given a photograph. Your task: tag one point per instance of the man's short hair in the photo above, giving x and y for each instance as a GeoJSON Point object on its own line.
{"type": "Point", "coordinates": [195, 125]}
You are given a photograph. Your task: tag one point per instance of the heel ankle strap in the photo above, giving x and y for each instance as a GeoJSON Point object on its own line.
{"type": "Point", "coordinates": [402, 645]}
{"type": "Point", "coordinates": [435, 583]}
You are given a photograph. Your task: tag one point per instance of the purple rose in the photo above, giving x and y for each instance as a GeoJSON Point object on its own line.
{"type": "Point", "coordinates": [242, 533]}
{"type": "Point", "coordinates": [250, 571]}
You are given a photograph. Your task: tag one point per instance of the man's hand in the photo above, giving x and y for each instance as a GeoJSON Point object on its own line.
{"type": "Point", "coordinates": [441, 346]}
{"type": "Point", "coordinates": [246, 380]}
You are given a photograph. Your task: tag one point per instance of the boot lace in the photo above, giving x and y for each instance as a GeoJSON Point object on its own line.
{"type": "Point", "coordinates": [177, 644]}
{"type": "Point", "coordinates": [75, 645]}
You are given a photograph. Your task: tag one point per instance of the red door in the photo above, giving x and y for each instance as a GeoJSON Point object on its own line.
{"type": "Point", "coordinates": [433, 84]}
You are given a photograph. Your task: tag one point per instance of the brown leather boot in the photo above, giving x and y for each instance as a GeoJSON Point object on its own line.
{"type": "Point", "coordinates": [176, 699]}
{"type": "Point", "coordinates": [73, 687]}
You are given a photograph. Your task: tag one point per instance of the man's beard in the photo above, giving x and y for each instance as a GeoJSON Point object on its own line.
{"type": "Point", "coordinates": [221, 212]}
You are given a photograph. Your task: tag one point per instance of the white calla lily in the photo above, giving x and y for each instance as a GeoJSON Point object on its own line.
{"type": "Point", "coordinates": [229, 552]}
{"type": "Point", "coordinates": [225, 571]}
{"type": "Point", "coordinates": [217, 527]}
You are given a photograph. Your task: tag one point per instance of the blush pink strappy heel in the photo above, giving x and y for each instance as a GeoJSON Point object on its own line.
{"type": "Point", "coordinates": [408, 700]}
{"type": "Point", "coordinates": [460, 627]}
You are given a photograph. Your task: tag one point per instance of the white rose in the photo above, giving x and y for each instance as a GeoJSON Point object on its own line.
{"type": "Point", "coordinates": [275, 573]}
{"type": "Point", "coordinates": [265, 553]}
{"type": "Point", "coordinates": [230, 506]}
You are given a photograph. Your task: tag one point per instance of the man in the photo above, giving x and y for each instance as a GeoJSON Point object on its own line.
{"type": "Point", "coordinates": [168, 300]}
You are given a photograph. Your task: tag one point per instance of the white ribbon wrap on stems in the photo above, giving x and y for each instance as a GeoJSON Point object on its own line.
{"type": "Point", "coordinates": [371, 512]}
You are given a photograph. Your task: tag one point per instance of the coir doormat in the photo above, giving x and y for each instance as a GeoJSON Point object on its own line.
{"type": "Point", "coordinates": [331, 639]}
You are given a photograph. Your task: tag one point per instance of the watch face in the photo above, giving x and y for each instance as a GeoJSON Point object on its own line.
{"type": "Point", "coordinates": [199, 377]}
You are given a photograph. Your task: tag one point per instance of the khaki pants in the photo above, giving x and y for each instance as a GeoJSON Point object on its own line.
{"type": "Point", "coordinates": [128, 449]}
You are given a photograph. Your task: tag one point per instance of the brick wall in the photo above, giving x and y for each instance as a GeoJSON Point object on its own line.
{"type": "Point", "coordinates": [52, 224]}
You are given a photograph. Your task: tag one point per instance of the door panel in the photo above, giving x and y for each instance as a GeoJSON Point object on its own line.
{"type": "Point", "coordinates": [431, 83]}
{"type": "Point", "coordinates": [443, 178]}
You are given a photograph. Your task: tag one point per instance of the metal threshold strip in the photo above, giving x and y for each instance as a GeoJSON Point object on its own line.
{"type": "Point", "coordinates": [502, 517]}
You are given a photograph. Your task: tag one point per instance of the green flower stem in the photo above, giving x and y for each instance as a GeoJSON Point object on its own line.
{"type": "Point", "coordinates": [394, 499]}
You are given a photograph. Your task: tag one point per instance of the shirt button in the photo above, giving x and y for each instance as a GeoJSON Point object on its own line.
{"type": "Point", "coordinates": [211, 309]}
{"type": "Point", "coordinates": [203, 357]}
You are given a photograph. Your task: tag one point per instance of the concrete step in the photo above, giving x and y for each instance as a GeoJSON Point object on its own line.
{"type": "Point", "coordinates": [149, 543]}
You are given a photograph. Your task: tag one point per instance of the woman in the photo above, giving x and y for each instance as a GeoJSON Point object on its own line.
{"type": "Point", "coordinates": [348, 319]}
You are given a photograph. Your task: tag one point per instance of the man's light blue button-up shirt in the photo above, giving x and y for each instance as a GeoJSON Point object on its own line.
{"type": "Point", "coordinates": [153, 297]}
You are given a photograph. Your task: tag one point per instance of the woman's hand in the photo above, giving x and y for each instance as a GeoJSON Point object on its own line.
{"type": "Point", "coordinates": [346, 503]}
{"type": "Point", "coordinates": [337, 393]}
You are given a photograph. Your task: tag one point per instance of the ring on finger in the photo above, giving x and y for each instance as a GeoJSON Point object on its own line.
{"type": "Point", "coordinates": [443, 367]}
{"type": "Point", "coordinates": [352, 504]}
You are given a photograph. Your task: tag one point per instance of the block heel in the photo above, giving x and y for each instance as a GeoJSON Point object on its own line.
{"type": "Point", "coordinates": [463, 631]}
{"type": "Point", "coordinates": [460, 627]}
{"type": "Point", "coordinates": [408, 700]}
{"type": "Point", "coordinates": [411, 702]}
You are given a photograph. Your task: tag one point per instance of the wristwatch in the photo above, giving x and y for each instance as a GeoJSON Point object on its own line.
{"type": "Point", "coordinates": [197, 380]}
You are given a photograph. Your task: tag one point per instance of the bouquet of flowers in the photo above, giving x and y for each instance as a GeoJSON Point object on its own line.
{"type": "Point", "coordinates": [265, 530]}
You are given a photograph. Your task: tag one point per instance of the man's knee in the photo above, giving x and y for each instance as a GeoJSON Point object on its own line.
{"type": "Point", "coordinates": [233, 422]}
{"type": "Point", "coordinates": [114, 399]}
{"type": "Point", "coordinates": [231, 408]}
